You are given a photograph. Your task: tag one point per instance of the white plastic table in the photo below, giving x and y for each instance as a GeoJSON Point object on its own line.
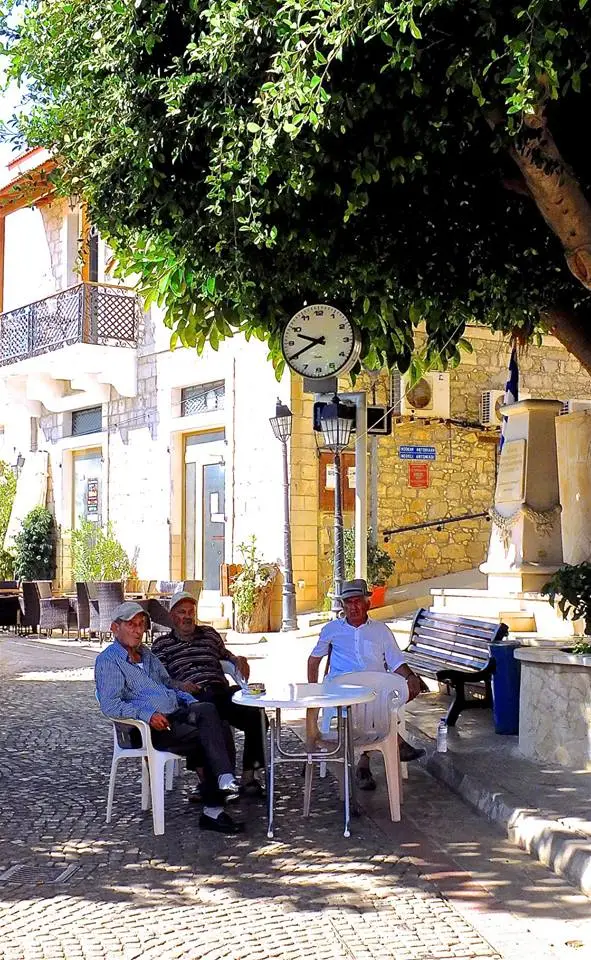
{"type": "Point", "coordinates": [304, 696]}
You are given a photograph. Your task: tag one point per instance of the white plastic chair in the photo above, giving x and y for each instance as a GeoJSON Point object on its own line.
{"type": "Point", "coordinates": [375, 724]}
{"type": "Point", "coordinates": [156, 775]}
{"type": "Point", "coordinates": [232, 671]}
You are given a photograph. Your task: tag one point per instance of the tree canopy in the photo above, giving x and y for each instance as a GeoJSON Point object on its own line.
{"type": "Point", "coordinates": [408, 161]}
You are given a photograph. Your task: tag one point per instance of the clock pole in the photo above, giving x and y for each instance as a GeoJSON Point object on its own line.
{"type": "Point", "coordinates": [339, 539]}
{"type": "Point", "coordinates": [281, 425]}
{"type": "Point", "coordinates": [336, 421]}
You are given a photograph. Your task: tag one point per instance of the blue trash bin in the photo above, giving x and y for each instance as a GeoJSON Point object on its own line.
{"type": "Point", "coordinates": [505, 687]}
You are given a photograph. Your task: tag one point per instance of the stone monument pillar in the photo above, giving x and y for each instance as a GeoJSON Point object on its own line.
{"type": "Point", "coordinates": [573, 438]}
{"type": "Point", "coordinates": [526, 539]}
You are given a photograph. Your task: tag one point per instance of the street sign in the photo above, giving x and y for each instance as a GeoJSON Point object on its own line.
{"type": "Point", "coordinates": [418, 475]}
{"type": "Point", "coordinates": [406, 452]}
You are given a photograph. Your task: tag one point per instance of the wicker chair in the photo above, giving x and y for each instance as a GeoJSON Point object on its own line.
{"type": "Point", "coordinates": [82, 607]}
{"type": "Point", "coordinates": [45, 613]}
{"type": "Point", "coordinates": [109, 594]}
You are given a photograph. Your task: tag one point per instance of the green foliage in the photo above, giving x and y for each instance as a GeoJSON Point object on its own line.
{"type": "Point", "coordinates": [349, 548]}
{"type": "Point", "coordinates": [97, 554]}
{"type": "Point", "coordinates": [380, 565]}
{"type": "Point", "coordinates": [7, 492]}
{"type": "Point", "coordinates": [569, 589]}
{"type": "Point", "coordinates": [6, 565]}
{"type": "Point", "coordinates": [243, 157]}
{"type": "Point", "coordinates": [34, 546]}
{"type": "Point", "coordinates": [253, 578]}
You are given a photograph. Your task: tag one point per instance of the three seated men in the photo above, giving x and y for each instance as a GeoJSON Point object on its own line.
{"type": "Point", "coordinates": [192, 654]}
{"type": "Point", "coordinates": [132, 683]}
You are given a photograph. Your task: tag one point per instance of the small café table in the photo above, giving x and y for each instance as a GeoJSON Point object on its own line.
{"type": "Point", "coordinates": [299, 696]}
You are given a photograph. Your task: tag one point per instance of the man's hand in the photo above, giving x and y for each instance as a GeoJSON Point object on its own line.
{"type": "Point", "coordinates": [159, 722]}
{"type": "Point", "coordinates": [243, 666]}
{"type": "Point", "coordinates": [190, 687]}
{"type": "Point", "coordinates": [414, 686]}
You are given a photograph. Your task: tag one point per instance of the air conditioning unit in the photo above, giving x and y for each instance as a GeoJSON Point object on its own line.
{"type": "Point", "coordinates": [491, 402]}
{"type": "Point", "coordinates": [575, 406]}
{"type": "Point", "coordinates": [428, 398]}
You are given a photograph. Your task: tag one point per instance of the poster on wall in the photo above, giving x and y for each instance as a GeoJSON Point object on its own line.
{"type": "Point", "coordinates": [418, 475]}
{"type": "Point", "coordinates": [92, 499]}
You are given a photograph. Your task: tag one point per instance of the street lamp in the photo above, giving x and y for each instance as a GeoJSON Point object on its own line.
{"type": "Point", "coordinates": [336, 422]}
{"type": "Point", "coordinates": [281, 426]}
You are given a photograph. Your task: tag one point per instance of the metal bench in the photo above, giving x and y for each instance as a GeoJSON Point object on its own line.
{"type": "Point", "coordinates": [454, 650]}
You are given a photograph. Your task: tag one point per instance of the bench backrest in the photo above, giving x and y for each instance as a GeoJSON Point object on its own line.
{"type": "Point", "coordinates": [456, 641]}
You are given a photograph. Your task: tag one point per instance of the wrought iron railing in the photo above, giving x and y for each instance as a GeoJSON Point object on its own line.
{"type": "Point", "coordinates": [438, 524]}
{"type": "Point", "coordinates": [86, 313]}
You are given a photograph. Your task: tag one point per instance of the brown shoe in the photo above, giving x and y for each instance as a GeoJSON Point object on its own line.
{"type": "Point", "coordinates": [408, 753]}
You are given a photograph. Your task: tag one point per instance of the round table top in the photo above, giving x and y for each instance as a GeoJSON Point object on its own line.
{"type": "Point", "coordinates": [294, 696]}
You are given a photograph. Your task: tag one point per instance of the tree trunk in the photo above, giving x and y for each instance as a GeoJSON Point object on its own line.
{"type": "Point", "coordinates": [558, 196]}
{"type": "Point", "coordinates": [574, 333]}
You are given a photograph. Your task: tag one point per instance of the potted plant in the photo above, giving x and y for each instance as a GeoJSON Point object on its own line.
{"type": "Point", "coordinates": [380, 566]}
{"type": "Point", "coordinates": [34, 546]}
{"type": "Point", "coordinates": [570, 590]}
{"type": "Point", "coordinates": [97, 554]}
{"type": "Point", "coordinates": [252, 590]}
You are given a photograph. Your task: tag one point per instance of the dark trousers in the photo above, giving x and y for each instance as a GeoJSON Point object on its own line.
{"type": "Point", "coordinates": [196, 734]}
{"type": "Point", "coordinates": [246, 719]}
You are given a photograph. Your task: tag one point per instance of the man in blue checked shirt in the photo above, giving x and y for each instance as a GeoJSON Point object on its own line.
{"type": "Point", "coordinates": [131, 682]}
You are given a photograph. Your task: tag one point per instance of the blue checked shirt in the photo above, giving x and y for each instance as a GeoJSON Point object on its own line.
{"type": "Point", "coordinates": [135, 690]}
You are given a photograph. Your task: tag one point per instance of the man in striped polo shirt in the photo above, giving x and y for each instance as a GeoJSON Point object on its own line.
{"type": "Point", "coordinates": [192, 654]}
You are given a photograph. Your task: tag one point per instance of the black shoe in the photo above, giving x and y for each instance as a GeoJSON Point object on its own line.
{"type": "Point", "coordinates": [221, 824]}
{"type": "Point", "coordinates": [364, 779]}
{"type": "Point", "coordinates": [252, 788]}
{"type": "Point", "coordinates": [197, 797]}
{"type": "Point", "coordinates": [408, 753]}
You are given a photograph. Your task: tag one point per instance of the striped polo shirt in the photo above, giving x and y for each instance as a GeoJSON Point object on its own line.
{"type": "Point", "coordinates": [196, 659]}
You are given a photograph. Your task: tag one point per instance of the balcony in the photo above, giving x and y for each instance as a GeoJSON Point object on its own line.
{"type": "Point", "coordinates": [66, 351]}
{"type": "Point", "coordinates": [88, 313]}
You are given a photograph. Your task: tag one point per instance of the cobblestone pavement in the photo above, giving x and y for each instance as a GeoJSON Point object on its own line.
{"type": "Point", "coordinates": [73, 887]}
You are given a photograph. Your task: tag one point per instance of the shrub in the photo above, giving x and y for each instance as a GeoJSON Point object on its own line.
{"type": "Point", "coordinates": [251, 585]}
{"type": "Point", "coordinates": [7, 492]}
{"type": "Point", "coordinates": [97, 554]}
{"type": "Point", "coordinates": [569, 589]}
{"type": "Point", "coordinates": [34, 546]}
{"type": "Point", "coordinates": [380, 565]}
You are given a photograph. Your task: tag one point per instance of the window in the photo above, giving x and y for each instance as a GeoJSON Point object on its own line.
{"type": "Point", "coordinates": [202, 398]}
{"type": "Point", "coordinates": [89, 420]}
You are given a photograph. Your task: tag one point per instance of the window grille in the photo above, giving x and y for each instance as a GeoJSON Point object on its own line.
{"type": "Point", "coordinates": [202, 398]}
{"type": "Point", "coordinates": [89, 420]}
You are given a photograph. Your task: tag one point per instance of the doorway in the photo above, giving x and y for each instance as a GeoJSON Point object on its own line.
{"type": "Point", "coordinates": [204, 514]}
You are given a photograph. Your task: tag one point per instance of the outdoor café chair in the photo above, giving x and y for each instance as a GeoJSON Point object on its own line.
{"type": "Point", "coordinates": [43, 612]}
{"type": "Point", "coordinates": [108, 594]}
{"type": "Point", "coordinates": [156, 775]}
{"type": "Point", "coordinates": [375, 724]}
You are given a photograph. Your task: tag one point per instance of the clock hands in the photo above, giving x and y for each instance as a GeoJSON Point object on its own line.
{"type": "Point", "coordinates": [314, 341]}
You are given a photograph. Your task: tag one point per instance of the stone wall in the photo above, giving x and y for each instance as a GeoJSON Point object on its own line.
{"type": "Point", "coordinates": [547, 371]}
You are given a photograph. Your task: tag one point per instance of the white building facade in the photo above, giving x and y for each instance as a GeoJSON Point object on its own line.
{"type": "Point", "coordinates": [175, 450]}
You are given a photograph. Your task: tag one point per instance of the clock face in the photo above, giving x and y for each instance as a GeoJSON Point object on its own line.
{"type": "Point", "coordinates": [319, 341]}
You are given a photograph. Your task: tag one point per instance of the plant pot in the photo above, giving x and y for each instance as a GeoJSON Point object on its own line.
{"type": "Point", "coordinates": [259, 620]}
{"type": "Point", "coordinates": [378, 596]}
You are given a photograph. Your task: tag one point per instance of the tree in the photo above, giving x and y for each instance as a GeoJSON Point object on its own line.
{"type": "Point", "coordinates": [407, 160]}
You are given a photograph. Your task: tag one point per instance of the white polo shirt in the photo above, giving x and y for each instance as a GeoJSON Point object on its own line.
{"type": "Point", "coordinates": [369, 647]}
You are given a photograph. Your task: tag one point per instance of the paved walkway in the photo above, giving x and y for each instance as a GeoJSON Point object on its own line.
{"type": "Point", "coordinates": [441, 884]}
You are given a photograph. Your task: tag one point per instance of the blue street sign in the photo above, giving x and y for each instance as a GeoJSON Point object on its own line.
{"type": "Point", "coordinates": [416, 453]}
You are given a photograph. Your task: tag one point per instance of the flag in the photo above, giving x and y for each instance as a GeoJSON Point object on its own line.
{"type": "Point", "coordinates": [511, 390]}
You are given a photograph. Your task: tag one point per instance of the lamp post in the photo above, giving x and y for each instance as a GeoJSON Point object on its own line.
{"type": "Point", "coordinates": [336, 421]}
{"type": "Point", "coordinates": [281, 425]}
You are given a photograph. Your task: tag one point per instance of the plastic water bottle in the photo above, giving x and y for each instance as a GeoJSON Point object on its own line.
{"type": "Point", "coordinates": [442, 736]}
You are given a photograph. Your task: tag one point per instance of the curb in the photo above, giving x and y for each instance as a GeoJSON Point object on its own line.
{"type": "Point", "coordinates": [564, 849]}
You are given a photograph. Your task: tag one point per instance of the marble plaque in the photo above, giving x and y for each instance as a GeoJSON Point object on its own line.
{"type": "Point", "coordinates": [511, 478]}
